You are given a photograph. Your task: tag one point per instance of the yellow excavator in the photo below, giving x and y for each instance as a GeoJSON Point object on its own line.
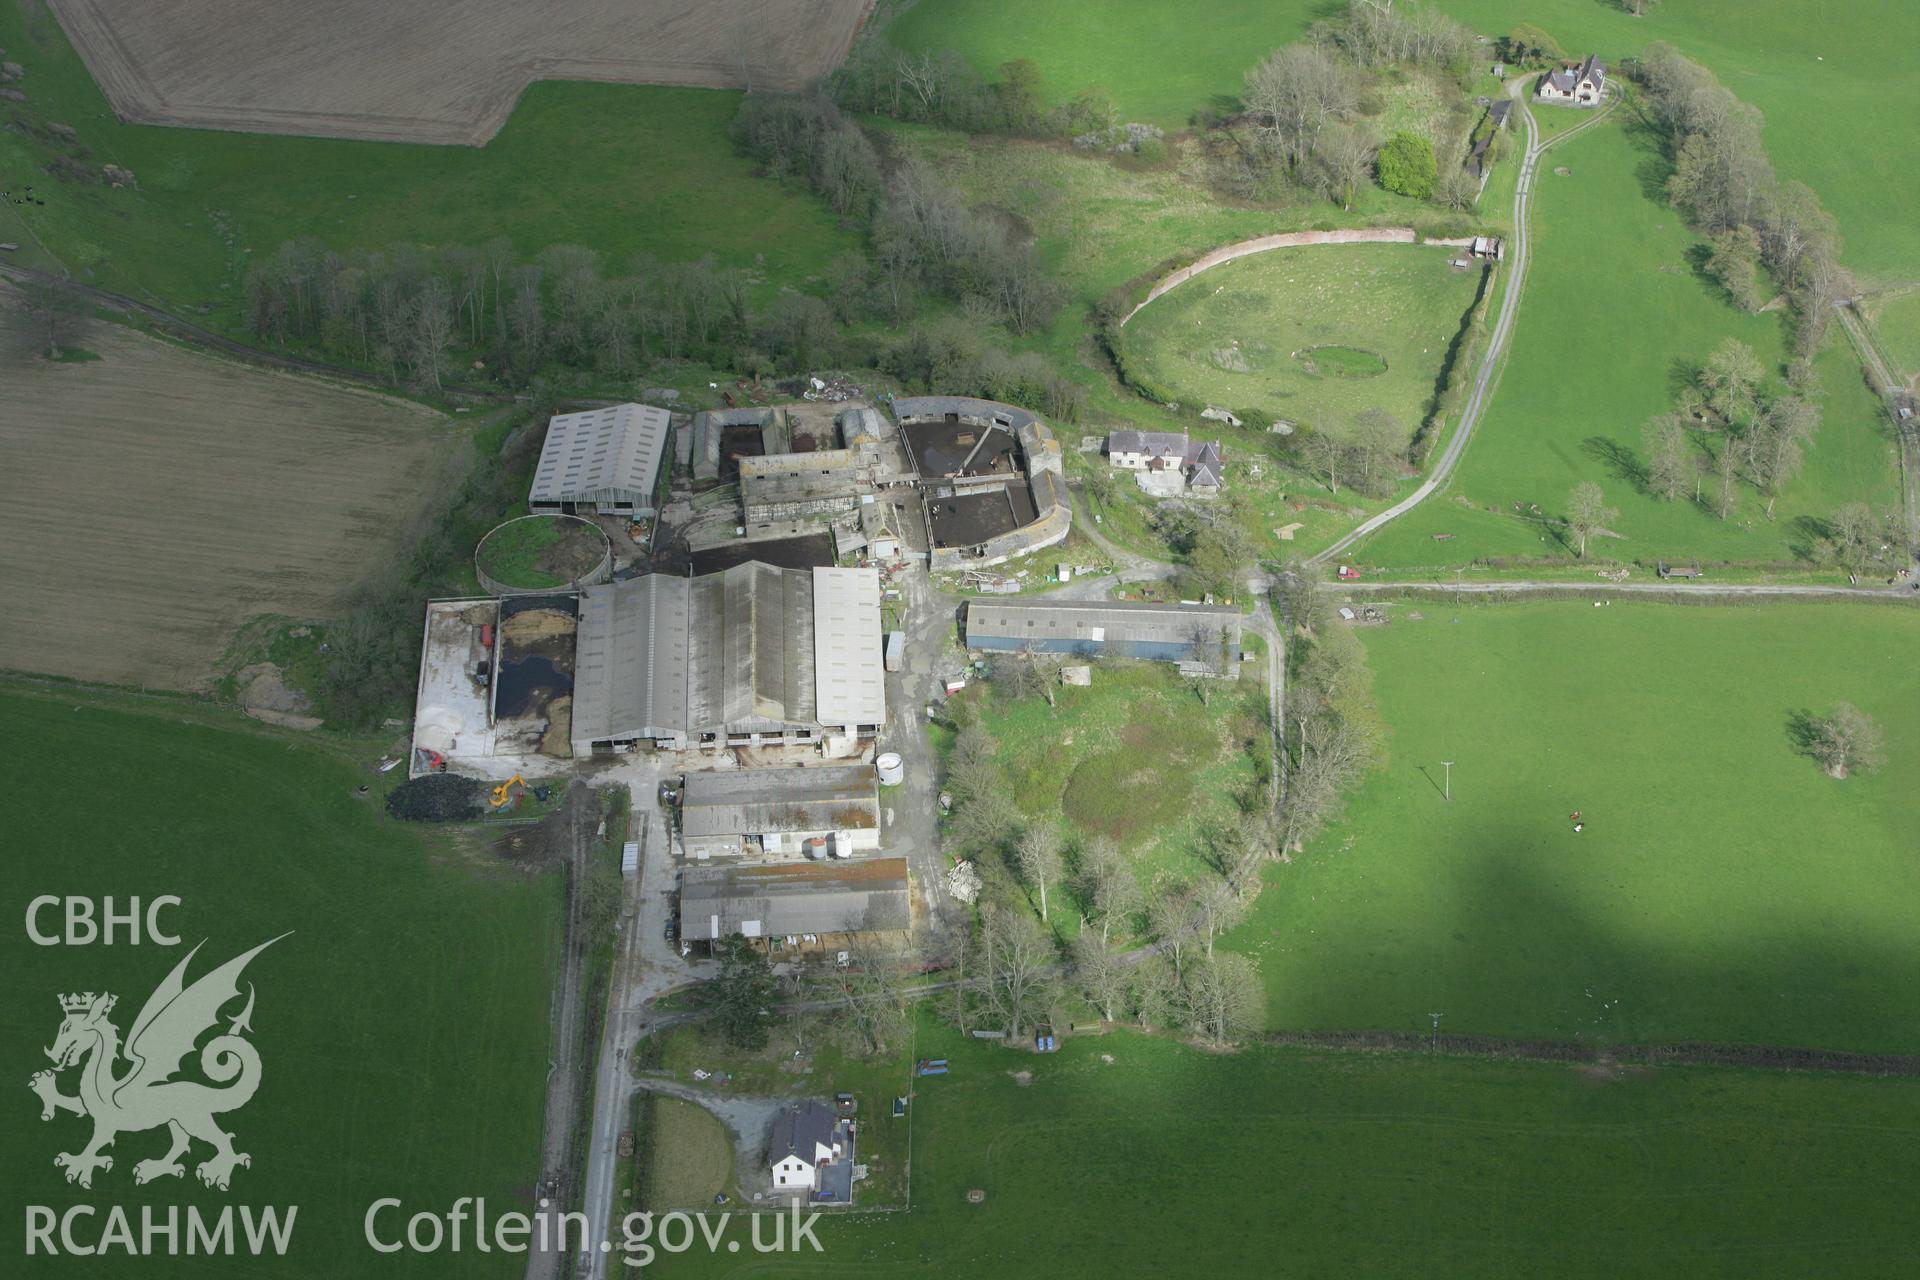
{"type": "Point", "coordinates": [503, 795]}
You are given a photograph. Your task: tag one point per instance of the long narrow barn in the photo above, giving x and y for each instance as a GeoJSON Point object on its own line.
{"type": "Point", "coordinates": [1208, 634]}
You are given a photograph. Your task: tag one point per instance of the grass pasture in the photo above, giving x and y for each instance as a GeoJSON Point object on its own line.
{"type": "Point", "coordinates": [1724, 888]}
{"type": "Point", "coordinates": [1817, 73]}
{"type": "Point", "coordinates": [1314, 335]}
{"type": "Point", "coordinates": [1897, 321]}
{"type": "Point", "coordinates": [1616, 316]}
{"type": "Point", "coordinates": [402, 1026]}
{"type": "Point", "coordinates": [626, 170]}
{"type": "Point", "coordinates": [692, 1156]}
{"type": "Point", "coordinates": [156, 498]}
{"type": "Point", "coordinates": [1133, 757]}
{"type": "Point", "coordinates": [1386, 1164]}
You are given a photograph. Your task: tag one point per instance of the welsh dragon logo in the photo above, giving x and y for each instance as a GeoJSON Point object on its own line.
{"type": "Point", "coordinates": [145, 1095]}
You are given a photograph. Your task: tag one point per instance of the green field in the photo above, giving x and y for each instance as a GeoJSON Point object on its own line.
{"type": "Point", "coordinates": [1133, 757]}
{"type": "Point", "coordinates": [1898, 321]}
{"type": "Point", "coordinates": [403, 1026]}
{"type": "Point", "coordinates": [1315, 335]}
{"type": "Point", "coordinates": [1614, 318]}
{"type": "Point", "coordinates": [1724, 888]}
{"type": "Point", "coordinates": [1377, 1165]}
{"type": "Point", "coordinates": [624, 170]}
{"type": "Point", "coordinates": [1817, 72]}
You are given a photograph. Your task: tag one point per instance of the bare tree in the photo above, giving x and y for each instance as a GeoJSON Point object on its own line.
{"type": "Point", "coordinates": [1218, 908]}
{"type": "Point", "coordinates": [869, 995]}
{"type": "Point", "coordinates": [1326, 452]}
{"type": "Point", "coordinates": [1294, 92]}
{"type": "Point", "coordinates": [1039, 856]}
{"type": "Point", "coordinates": [1587, 514]}
{"type": "Point", "coordinates": [1017, 981]}
{"type": "Point", "coordinates": [1107, 882]}
{"type": "Point", "coordinates": [1171, 914]}
{"type": "Point", "coordinates": [431, 332]}
{"type": "Point", "coordinates": [1377, 439]}
{"type": "Point", "coordinates": [1775, 446]}
{"type": "Point", "coordinates": [1669, 458]}
{"type": "Point", "coordinates": [1341, 162]}
{"type": "Point", "coordinates": [1101, 974]}
{"type": "Point", "coordinates": [1843, 740]}
{"type": "Point", "coordinates": [57, 311]}
{"type": "Point", "coordinates": [1224, 997]}
{"type": "Point", "coordinates": [1731, 379]}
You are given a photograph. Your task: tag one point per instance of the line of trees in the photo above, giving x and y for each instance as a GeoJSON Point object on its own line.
{"type": "Point", "coordinates": [413, 312]}
{"type": "Point", "coordinates": [1333, 734]}
{"type": "Point", "coordinates": [1725, 184]}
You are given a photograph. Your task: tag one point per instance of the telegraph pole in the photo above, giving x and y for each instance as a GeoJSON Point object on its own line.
{"type": "Point", "coordinates": [1446, 791]}
{"type": "Point", "coordinates": [1433, 1044]}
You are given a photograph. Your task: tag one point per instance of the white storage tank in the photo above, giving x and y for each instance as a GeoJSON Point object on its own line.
{"type": "Point", "coordinates": [843, 844]}
{"type": "Point", "coordinates": [891, 769]}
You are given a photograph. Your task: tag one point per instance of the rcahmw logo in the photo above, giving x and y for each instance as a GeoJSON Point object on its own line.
{"type": "Point", "coordinates": [128, 1087]}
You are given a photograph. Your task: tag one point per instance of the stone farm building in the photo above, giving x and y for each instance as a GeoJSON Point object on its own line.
{"type": "Point", "coordinates": [602, 460]}
{"type": "Point", "coordinates": [992, 475]}
{"type": "Point", "coordinates": [751, 656]}
{"type": "Point", "coordinates": [1582, 85]}
{"type": "Point", "coordinates": [798, 486]}
{"type": "Point", "coordinates": [1185, 633]}
{"type": "Point", "coordinates": [774, 813]}
{"type": "Point", "coordinates": [813, 903]}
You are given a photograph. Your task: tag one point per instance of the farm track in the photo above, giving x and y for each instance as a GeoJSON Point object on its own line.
{"type": "Point", "coordinates": [1671, 590]}
{"type": "Point", "coordinates": [1491, 360]}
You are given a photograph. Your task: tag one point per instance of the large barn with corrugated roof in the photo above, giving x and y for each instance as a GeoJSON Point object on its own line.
{"type": "Point", "coordinates": [751, 656]}
{"type": "Point", "coordinates": [605, 461]}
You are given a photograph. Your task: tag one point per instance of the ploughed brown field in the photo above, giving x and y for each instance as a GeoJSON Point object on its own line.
{"type": "Point", "coordinates": [153, 500]}
{"type": "Point", "coordinates": [430, 70]}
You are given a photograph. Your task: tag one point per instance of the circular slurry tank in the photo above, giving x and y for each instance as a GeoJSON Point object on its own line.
{"type": "Point", "coordinates": [530, 555]}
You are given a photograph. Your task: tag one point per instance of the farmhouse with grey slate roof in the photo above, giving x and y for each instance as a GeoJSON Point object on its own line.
{"type": "Point", "coordinates": [1580, 86]}
{"type": "Point", "coordinates": [1200, 463]}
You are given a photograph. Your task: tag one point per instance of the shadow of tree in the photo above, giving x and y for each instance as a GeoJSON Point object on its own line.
{"type": "Point", "coordinates": [1803, 733]}
{"type": "Point", "coordinates": [1622, 461]}
{"type": "Point", "coordinates": [1807, 533]}
{"type": "Point", "coordinates": [1681, 374]}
